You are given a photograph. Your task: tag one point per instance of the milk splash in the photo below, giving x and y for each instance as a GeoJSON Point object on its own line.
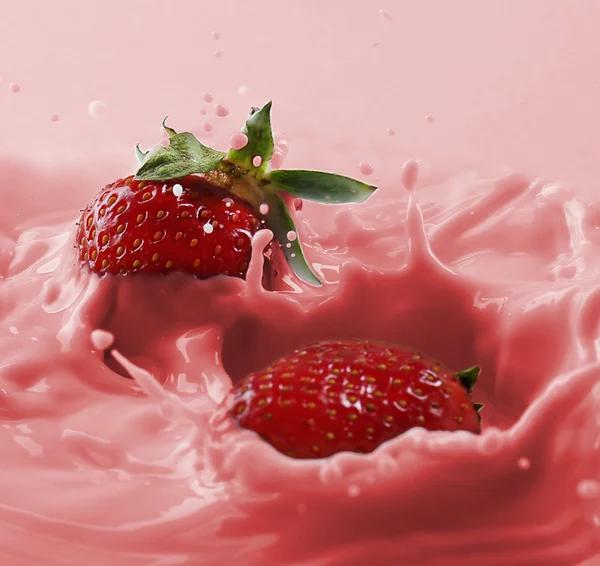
{"type": "Point", "coordinates": [112, 454]}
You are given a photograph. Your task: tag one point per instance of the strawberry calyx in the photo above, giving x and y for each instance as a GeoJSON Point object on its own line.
{"type": "Point", "coordinates": [253, 180]}
{"type": "Point", "coordinates": [468, 378]}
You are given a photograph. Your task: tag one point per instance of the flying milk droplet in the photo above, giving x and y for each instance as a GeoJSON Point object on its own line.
{"type": "Point", "coordinates": [238, 141]}
{"type": "Point", "coordinates": [409, 175]}
{"type": "Point", "coordinates": [366, 168]}
{"type": "Point", "coordinates": [207, 126]}
{"type": "Point", "coordinates": [430, 118]}
{"type": "Point", "coordinates": [391, 132]}
{"type": "Point", "coordinates": [97, 109]}
{"type": "Point", "coordinates": [524, 463]}
{"type": "Point", "coordinates": [208, 228]}
{"type": "Point", "coordinates": [207, 97]}
{"type": "Point", "coordinates": [263, 209]}
{"type": "Point", "coordinates": [386, 15]}
{"type": "Point", "coordinates": [279, 153]}
{"type": "Point", "coordinates": [219, 53]}
{"type": "Point", "coordinates": [102, 339]}
{"type": "Point", "coordinates": [257, 160]}
{"type": "Point", "coordinates": [215, 34]}
{"type": "Point", "coordinates": [14, 87]}
{"type": "Point", "coordinates": [165, 140]}
{"type": "Point", "coordinates": [54, 117]}
{"type": "Point", "coordinates": [291, 235]}
{"type": "Point", "coordinates": [177, 190]}
{"type": "Point", "coordinates": [221, 111]}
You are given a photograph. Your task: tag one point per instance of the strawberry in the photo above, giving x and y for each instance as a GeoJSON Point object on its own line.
{"type": "Point", "coordinates": [194, 209]}
{"type": "Point", "coordinates": [336, 396]}
{"type": "Point", "coordinates": [138, 226]}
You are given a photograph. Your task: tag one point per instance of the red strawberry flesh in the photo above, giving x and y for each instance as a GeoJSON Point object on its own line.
{"type": "Point", "coordinates": [147, 227]}
{"type": "Point", "coordinates": [336, 396]}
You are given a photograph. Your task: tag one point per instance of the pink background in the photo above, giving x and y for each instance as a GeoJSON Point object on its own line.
{"type": "Point", "coordinates": [511, 83]}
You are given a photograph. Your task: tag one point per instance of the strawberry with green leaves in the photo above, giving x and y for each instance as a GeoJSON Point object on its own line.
{"type": "Point", "coordinates": [336, 396]}
{"type": "Point", "coordinates": [194, 209]}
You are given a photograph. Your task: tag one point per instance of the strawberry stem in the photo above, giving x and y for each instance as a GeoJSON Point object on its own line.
{"type": "Point", "coordinates": [185, 155]}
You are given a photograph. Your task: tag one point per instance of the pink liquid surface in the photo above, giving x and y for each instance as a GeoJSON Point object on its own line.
{"type": "Point", "coordinates": [485, 262]}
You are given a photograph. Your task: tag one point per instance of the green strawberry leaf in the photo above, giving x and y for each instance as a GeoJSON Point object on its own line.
{"type": "Point", "coordinates": [260, 140]}
{"type": "Point", "coordinates": [468, 377]}
{"type": "Point", "coordinates": [280, 222]}
{"type": "Point", "coordinates": [321, 187]}
{"type": "Point", "coordinates": [141, 155]}
{"type": "Point", "coordinates": [184, 155]}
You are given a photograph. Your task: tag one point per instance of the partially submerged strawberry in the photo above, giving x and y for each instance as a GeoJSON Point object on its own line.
{"type": "Point", "coordinates": [336, 396]}
{"type": "Point", "coordinates": [192, 225]}
{"type": "Point", "coordinates": [195, 209]}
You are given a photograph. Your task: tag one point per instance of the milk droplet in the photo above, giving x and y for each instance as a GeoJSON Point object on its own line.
{"type": "Point", "coordinates": [293, 255]}
{"type": "Point", "coordinates": [208, 228]}
{"type": "Point", "coordinates": [409, 175]}
{"type": "Point", "coordinates": [207, 126]}
{"type": "Point", "coordinates": [165, 140]}
{"type": "Point", "coordinates": [13, 330]}
{"type": "Point", "coordinates": [102, 339]}
{"type": "Point", "coordinates": [276, 159]}
{"type": "Point", "coordinates": [588, 489]}
{"type": "Point", "coordinates": [524, 463]}
{"type": "Point", "coordinates": [97, 109]}
{"type": "Point", "coordinates": [219, 53]}
{"type": "Point", "coordinates": [288, 245]}
{"type": "Point", "coordinates": [243, 90]}
{"type": "Point", "coordinates": [263, 209]}
{"type": "Point", "coordinates": [366, 168]}
{"type": "Point", "coordinates": [385, 14]}
{"type": "Point", "coordinates": [207, 97]}
{"type": "Point", "coordinates": [257, 160]}
{"type": "Point", "coordinates": [279, 154]}
{"type": "Point", "coordinates": [54, 117]}
{"type": "Point", "coordinates": [221, 111]}
{"type": "Point", "coordinates": [430, 118]}
{"type": "Point", "coordinates": [177, 190]}
{"type": "Point", "coordinates": [238, 141]}
{"type": "Point", "coordinates": [216, 34]}
{"type": "Point", "coordinates": [291, 235]}
{"type": "Point", "coordinates": [377, 43]}
{"type": "Point", "coordinates": [14, 87]}
{"type": "Point", "coordinates": [353, 491]}
{"type": "Point", "coordinates": [391, 132]}
{"type": "Point", "coordinates": [203, 111]}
